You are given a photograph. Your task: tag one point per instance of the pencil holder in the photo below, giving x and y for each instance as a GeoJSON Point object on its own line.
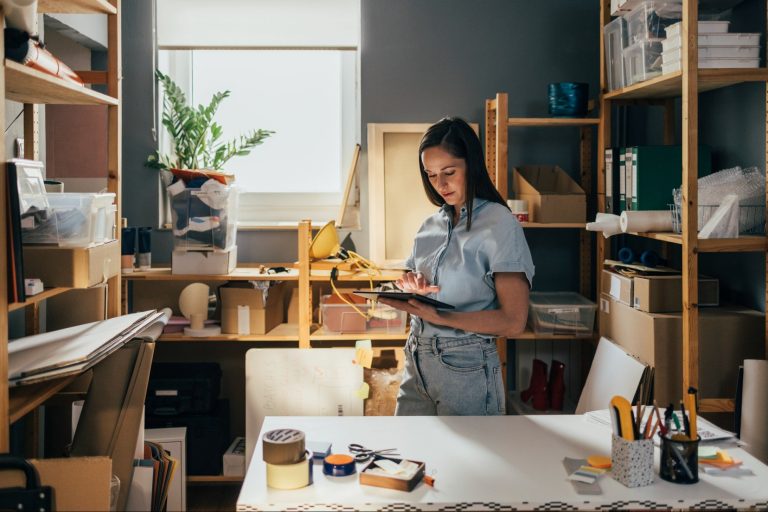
{"type": "Point", "coordinates": [632, 461]}
{"type": "Point", "coordinates": [679, 462]}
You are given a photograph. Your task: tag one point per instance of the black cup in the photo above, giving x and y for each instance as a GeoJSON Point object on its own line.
{"type": "Point", "coordinates": [679, 460]}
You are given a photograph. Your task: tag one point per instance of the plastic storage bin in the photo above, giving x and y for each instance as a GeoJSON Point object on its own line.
{"type": "Point", "coordinates": [714, 52]}
{"type": "Point", "coordinates": [649, 20]}
{"type": "Point", "coordinates": [342, 318]}
{"type": "Point", "coordinates": [615, 36]}
{"type": "Point", "coordinates": [705, 27]}
{"type": "Point", "coordinates": [561, 313]}
{"type": "Point", "coordinates": [708, 40]}
{"type": "Point", "coordinates": [642, 61]}
{"type": "Point", "coordinates": [76, 220]}
{"type": "Point", "coordinates": [204, 220]}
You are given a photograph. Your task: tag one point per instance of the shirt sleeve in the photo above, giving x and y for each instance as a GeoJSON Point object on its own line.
{"type": "Point", "coordinates": [508, 250]}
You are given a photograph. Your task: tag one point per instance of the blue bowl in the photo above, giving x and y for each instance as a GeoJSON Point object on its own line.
{"type": "Point", "coordinates": [568, 99]}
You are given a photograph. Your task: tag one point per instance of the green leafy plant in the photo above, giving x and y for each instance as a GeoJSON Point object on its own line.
{"type": "Point", "coordinates": [196, 136]}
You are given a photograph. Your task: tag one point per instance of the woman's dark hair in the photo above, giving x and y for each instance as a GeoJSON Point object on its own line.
{"type": "Point", "coordinates": [455, 136]}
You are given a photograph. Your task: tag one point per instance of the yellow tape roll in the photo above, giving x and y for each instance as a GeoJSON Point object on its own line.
{"type": "Point", "coordinates": [289, 476]}
{"type": "Point", "coordinates": [283, 446]}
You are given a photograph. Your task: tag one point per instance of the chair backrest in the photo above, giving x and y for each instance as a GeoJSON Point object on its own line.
{"type": "Point", "coordinates": [754, 408]}
{"type": "Point", "coordinates": [613, 372]}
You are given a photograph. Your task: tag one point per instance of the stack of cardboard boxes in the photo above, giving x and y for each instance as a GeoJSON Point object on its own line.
{"type": "Point", "coordinates": [643, 315]}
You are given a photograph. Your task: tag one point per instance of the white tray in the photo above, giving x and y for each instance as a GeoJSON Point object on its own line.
{"type": "Point", "coordinates": [705, 27]}
{"type": "Point", "coordinates": [730, 39]}
{"type": "Point", "coordinates": [669, 67]}
{"type": "Point", "coordinates": [716, 52]}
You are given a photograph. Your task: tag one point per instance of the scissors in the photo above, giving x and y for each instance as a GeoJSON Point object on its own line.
{"type": "Point", "coordinates": [362, 454]}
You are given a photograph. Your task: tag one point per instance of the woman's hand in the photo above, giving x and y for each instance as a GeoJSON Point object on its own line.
{"type": "Point", "coordinates": [415, 307]}
{"type": "Point", "coordinates": [415, 282]}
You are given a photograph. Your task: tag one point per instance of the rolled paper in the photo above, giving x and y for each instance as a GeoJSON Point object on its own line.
{"type": "Point", "coordinates": [646, 221]}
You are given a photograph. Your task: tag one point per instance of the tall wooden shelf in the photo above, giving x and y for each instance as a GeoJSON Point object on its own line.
{"type": "Point", "coordinates": [686, 84]}
{"type": "Point", "coordinates": [32, 88]}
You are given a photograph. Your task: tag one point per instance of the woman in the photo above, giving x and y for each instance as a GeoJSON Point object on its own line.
{"type": "Point", "coordinates": [471, 254]}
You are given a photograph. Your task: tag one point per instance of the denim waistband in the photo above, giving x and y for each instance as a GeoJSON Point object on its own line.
{"type": "Point", "coordinates": [443, 342]}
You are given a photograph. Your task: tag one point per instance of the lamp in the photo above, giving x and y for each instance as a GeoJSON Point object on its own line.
{"type": "Point", "coordinates": [326, 242]}
{"type": "Point", "coordinates": [193, 304]}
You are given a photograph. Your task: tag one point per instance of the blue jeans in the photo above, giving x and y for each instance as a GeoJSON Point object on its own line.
{"type": "Point", "coordinates": [451, 377]}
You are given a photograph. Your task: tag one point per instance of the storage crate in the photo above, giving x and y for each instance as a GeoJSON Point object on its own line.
{"type": "Point", "coordinates": [751, 218]}
{"type": "Point", "coordinates": [561, 313]}
{"type": "Point", "coordinates": [204, 220]}
{"type": "Point", "coordinates": [364, 317]}
{"type": "Point", "coordinates": [615, 36]}
{"type": "Point", "coordinates": [642, 61]}
{"type": "Point", "coordinates": [76, 220]}
{"type": "Point", "coordinates": [649, 20]}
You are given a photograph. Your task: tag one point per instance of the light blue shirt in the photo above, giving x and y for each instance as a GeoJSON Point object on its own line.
{"type": "Point", "coordinates": [462, 263]}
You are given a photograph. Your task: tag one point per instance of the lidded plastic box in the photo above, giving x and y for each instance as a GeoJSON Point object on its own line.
{"type": "Point", "coordinates": [642, 61]}
{"type": "Point", "coordinates": [204, 219]}
{"type": "Point", "coordinates": [340, 318]}
{"type": "Point", "coordinates": [705, 27]}
{"type": "Point", "coordinates": [650, 19]}
{"type": "Point", "coordinates": [76, 220]}
{"type": "Point", "coordinates": [615, 37]}
{"type": "Point", "coordinates": [561, 313]}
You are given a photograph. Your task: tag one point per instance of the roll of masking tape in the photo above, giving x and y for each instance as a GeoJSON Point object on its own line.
{"type": "Point", "coordinates": [290, 476]}
{"type": "Point", "coordinates": [283, 446]}
{"type": "Point", "coordinates": [339, 465]}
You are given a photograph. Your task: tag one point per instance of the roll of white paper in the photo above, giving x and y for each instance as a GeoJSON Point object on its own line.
{"type": "Point", "coordinates": [754, 408]}
{"type": "Point", "coordinates": [608, 223]}
{"type": "Point", "coordinates": [646, 221]}
{"type": "Point", "coordinates": [21, 14]}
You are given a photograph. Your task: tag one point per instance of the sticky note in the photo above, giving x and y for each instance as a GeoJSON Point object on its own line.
{"type": "Point", "coordinates": [363, 392]}
{"type": "Point", "coordinates": [364, 357]}
{"type": "Point", "coordinates": [363, 344]}
{"type": "Point", "coordinates": [707, 452]}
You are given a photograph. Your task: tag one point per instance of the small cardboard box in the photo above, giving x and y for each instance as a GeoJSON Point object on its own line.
{"type": "Point", "coordinates": [727, 336]}
{"type": "Point", "coordinates": [263, 316]}
{"type": "Point", "coordinates": [664, 294]}
{"type": "Point", "coordinates": [204, 262]}
{"type": "Point", "coordinates": [552, 195]}
{"type": "Point", "coordinates": [76, 307]}
{"type": "Point", "coordinates": [73, 267]}
{"type": "Point", "coordinates": [392, 482]}
{"type": "Point", "coordinates": [234, 458]}
{"type": "Point", "coordinates": [293, 307]}
{"type": "Point", "coordinates": [618, 286]}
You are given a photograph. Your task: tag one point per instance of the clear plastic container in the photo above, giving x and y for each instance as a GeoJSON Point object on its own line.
{"type": "Point", "coordinates": [650, 19]}
{"type": "Point", "coordinates": [343, 318]}
{"type": "Point", "coordinates": [561, 313]}
{"type": "Point", "coordinates": [642, 61]}
{"type": "Point", "coordinates": [709, 40]}
{"type": "Point", "coordinates": [705, 27]}
{"type": "Point", "coordinates": [76, 220]}
{"type": "Point", "coordinates": [676, 65]}
{"type": "Point", "coordinates": [204, 220]}
{"type": "Point", "coordinates": [615, 36]}
{"type": "Point", "coordinates": [715, 52]}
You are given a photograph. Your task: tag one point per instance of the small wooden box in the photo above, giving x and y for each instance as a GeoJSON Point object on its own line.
{"type": "Point", "coordinates": [389, 482]}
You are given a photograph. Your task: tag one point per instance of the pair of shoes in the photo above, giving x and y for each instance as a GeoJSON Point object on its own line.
{"type": "Point", "coordinates": [546, 394]}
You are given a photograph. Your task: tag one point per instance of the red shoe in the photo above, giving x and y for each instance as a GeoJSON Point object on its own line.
{"type": "Point", "coordinates": [537, 389]}
{"type": "Point", "coordinates": [556, 386]}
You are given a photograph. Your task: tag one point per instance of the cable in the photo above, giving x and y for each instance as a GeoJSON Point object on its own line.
{"type": "Point", "coordinates": [14, 120]}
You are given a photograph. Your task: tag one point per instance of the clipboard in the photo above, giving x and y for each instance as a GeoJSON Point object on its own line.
{"type": "Point", "coordinates": [399, 295]}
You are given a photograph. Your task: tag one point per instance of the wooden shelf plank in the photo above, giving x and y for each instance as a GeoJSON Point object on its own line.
{"type": "Point", "coordinates": [283, 332]}
{"type": "Point", "coordinates": [214, 479]}
{"type": "Point", "coordinates": [553, 225]}
{"type": "Point", "coordinates": [671, 84]}
{"type": "Point", "coordinates": [76, 6]}
{"type": "Point", "coordinates": [24, 399]}
{"type": "Point", "coordinates": [45, 294]}
{"type": "Point", "coordinates": [717, 405]}
{"type": "Point", "coordinates": [552, 121]}
{"type": "Point", "coordinates": [741, 244]}
{"type": "Point", "coordinates": [240, 274]}
{"type": "Point", "coordinates": [27, 85]}
{"type": "Point", "coordinates": [528, 334]}
{"type": "Point", "coordinates": [321, 334]}
{"type": "Point", "coordinates": [386, 275]}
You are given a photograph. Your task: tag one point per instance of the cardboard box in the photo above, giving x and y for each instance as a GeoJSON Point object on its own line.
{"type": "Point", "coordinates": [727, 336]}
{"type": "Point", "coordinates": [664, 294]}
{"type": "Point", "coordinates": [79, 483]}
{"type": "Point", "coordinates": [293, 307]}
{"type": "Point", "coordinates": [234, 458]}
{"type": "Point", "coordinates": [552, 195]}
{"type": "Point", "coordinates": [74, 267]}
{"type": "Point", "coordinates": [618, 286]}
{"type": "Point", "coordinates": [204, 262]}
{"type": "Point", "coordinates": [263, 316]}
{"type": "Point", "coordinates": [76, 307]}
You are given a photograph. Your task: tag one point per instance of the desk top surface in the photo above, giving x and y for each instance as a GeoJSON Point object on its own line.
{"type": "Point", "coordinates": [490, 463]}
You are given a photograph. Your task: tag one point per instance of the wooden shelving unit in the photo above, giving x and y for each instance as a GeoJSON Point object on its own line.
{"type": "Point", "coordinates": [32, 88]}
{"type": "Point", "coordinates": [685, 84]}
{"type": "Point", "coordinates": [213, 479]}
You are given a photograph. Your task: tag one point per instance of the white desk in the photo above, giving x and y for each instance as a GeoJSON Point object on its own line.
{"type": "Point", "coordinates": [488, 463]}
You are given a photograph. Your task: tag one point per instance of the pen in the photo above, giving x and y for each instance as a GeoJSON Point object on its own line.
{"type": "Point", "coordinates": [686, 424]}
{"type": "Point", "coordinates": [659, 423]}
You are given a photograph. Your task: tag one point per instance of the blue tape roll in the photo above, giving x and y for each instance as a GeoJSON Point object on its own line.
{"type": "Point", "coordinates": [339, 465]}
{"type": "Point", "coordinates": [649, 258]}
{"type": "Point", "coordinates": [626, 255]}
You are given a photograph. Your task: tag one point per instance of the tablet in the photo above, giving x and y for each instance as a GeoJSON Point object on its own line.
{"type": "Point", "coordinates": [399, 295]}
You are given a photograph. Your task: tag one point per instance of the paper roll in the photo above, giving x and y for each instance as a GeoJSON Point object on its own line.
{"type": "Point", "coordinates": [608, 223]}
{"type": "Point", "coordinates": [283, 446]}
{"type": "Point", "coordinates": [289, 476]}
{"type": "Point", "coordinates": [21, 14]}
{"type": "Point", "coordinates": [754, 408]}
{"type": "Point", "coordinates": [646, 221]}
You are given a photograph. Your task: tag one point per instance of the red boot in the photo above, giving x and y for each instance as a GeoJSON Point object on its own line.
{"type": "Point", "coordinates": [556, 386]}
{"type": "Point", "coordinates": [537, 389]}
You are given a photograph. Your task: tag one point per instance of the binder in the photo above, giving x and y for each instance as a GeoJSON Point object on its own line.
{"type": "Point", "coordinates": [656, 171]}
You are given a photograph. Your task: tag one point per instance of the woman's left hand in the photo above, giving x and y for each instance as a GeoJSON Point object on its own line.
{"type": "Point", "coordinates": [414, 307]}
